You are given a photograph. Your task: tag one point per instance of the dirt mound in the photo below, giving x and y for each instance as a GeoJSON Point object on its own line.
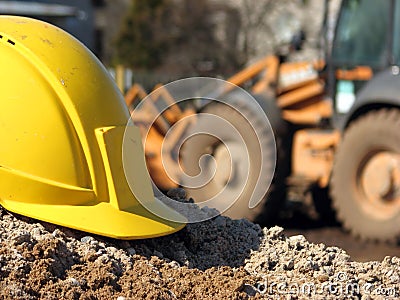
{"type": "Point", "coordinates": [219, 258]}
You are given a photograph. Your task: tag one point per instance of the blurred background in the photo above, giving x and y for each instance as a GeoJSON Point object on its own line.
{"type": "Point", "coordinates": [162, 40]}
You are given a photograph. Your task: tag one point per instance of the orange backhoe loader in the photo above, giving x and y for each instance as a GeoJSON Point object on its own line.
{"type": "Point", "coordinates": [336, 125]}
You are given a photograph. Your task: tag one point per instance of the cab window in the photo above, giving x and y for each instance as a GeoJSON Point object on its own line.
{"type": "Point", "coordinates": [396, 34]}
{"type": "Point", "coordinates": [361, 33]}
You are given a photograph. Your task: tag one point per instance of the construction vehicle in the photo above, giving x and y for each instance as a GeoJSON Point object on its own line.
{"type": "Point", "coordinates": [62, 125]}
{"type": "Point", "coordinates": [336, 126]}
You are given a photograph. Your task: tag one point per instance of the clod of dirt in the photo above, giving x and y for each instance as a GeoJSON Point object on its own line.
{"type": "Point", "coordinates": [216, 259]}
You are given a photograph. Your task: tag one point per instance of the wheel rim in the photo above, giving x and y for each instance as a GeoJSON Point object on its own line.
{"type": "Point", "coordinates": [222, 174]}
{"type": "Point", "coordinates": [379, 181]}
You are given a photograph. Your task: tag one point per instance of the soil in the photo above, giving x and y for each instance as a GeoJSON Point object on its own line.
{"type": "Point", "coordinates": [216, 259]}
{"type": "Point", "coordinates": [357, 249]}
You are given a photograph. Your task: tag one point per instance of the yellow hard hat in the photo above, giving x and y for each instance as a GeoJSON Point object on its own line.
{"type": "Point", "coordinates": [62, 122]}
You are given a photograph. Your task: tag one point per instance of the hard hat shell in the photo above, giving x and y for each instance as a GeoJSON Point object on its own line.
{"type": "Point", "coordinates": [62, 121]}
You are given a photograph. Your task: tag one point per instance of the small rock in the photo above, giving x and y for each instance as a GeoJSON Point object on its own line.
{"type": "Point", "coordinates": [171, 293]}
{"type": "Point", "coordinates": [312, 265]}
{"type": "Point", "coordinates": [100, 252]}
{"type": "Point", "coordinates": [209, 211]}
{"type": "Point", "coordinates": [36, 232]}
{"type": "Point", "coordinates": [131, 251]}
{"type": "Point", "coordinates": [103, 259]}
{"type": "Point", "coordinates": [92, 255]}
{"type": "Point", "coordinates": [177, 193]}
{"type": "Point", "coordinates": [331, 257]}
{"type": "Point", "coordinates": [220, 221]}
{"type": "Point", "coordinates": [174, 264]}
{"type": "Point", "coordinates": [121, 298]}
{"type": "Point", "coordinates": [297, 238]}
{"type": "Point", "coordinates": [275, 232]}
{"type": "Point", "coordinates": [73, 281]}
{"type": "Point", "coordinates": [57, 233]}
{"type": "Point", "coordinates": [322, 278]}
{"type": "Point", "coordinates": [387, 259]}
{"type": "Point", "coordinates": [86, 239]}
{"type": "Point", "coordinates": [289, 265]}
{"type": "Point", "coordinates": [395, 260]}
{"type": "Point", "coordinates": [297, 241]}
{"type": "Point", "coordinates": [246, 223]}
{"type": "Point", "coordinates": [372, 278]}
{"type": "Point", "coordinates": [394, 279]}
{"type": "Point", "coordinates": [23, 237]}
{"type": "Point", "coordinates": [181, 255]}
{"type": "Point", "coordinates": [112, 250]}
{"type": "Point", "coordinates": [249, 290]}
{"type": "Point", "coordinates": [158, 254]}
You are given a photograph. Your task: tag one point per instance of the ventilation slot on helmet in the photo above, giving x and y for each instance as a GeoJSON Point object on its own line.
{"type": "Point", "coordinates": [8, 40]}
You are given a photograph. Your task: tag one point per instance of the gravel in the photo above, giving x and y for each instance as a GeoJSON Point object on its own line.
{"type": "Point", "coordinates": [218, 258]}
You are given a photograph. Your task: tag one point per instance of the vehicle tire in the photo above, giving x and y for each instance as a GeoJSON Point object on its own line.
{"type": "Point", "coordinates": [199, 145]}
{"type": "Point", "coordinates": [323, 206]}
{"type": "Point", "coordinates": [365, 186]}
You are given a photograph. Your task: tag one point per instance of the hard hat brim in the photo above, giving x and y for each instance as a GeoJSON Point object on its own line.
{"type": "Point", "coordinates": [134, 222]}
